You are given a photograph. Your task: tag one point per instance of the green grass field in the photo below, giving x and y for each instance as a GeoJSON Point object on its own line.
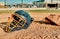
{"type": "Point", "coordinates": [7, 11]}
{"type": "Point", "coordinates": [35, 11]}
{"type": "Point", "coordinates": [44, 11]}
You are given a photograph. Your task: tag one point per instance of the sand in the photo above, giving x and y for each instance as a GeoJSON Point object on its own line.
{"type": "Point", "coordinates": [37, 30]}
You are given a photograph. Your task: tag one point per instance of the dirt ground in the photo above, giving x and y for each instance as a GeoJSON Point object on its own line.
{"type": "Point", "coordinates": [37, 30]}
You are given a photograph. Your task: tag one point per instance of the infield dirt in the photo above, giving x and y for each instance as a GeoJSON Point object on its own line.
{"type": "Point", "coordinates": [39, 29]}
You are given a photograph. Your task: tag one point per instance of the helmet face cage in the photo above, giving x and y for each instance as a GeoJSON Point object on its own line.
{"type": "Point", "coordinates": [18, 21]}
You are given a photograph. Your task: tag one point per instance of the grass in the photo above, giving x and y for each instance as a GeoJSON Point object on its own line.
{"type": "Point", "coordinates": [44, 11]}
{"type": "Point", "coordinates": [7, 11]}
{"type": "Point", "coordinates": [31, 11]}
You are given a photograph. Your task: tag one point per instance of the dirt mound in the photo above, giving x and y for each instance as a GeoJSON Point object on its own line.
{"type": "Point", "coordinates": [37, 30]}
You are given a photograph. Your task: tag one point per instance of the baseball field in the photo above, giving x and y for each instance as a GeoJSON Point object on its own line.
{"type": "Point", "coordinates": [37, 30]}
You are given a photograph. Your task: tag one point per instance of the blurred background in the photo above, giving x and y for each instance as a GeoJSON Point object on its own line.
{"type": "Point", "coordinates": [30, 4]}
